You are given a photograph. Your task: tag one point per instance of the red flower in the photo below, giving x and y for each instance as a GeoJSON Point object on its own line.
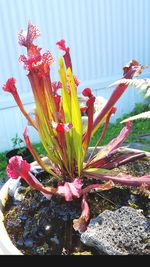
{"type": "Point", "coordinates": [61, 127]}
{"type": "Point", "coordinates": [62, 46]}
{"type": "Point", "coordinates": [83, 109]}
{"type": "Point", "coordinates": [26, 38]}
{"type": "Point", "coordinates": [30, 62]}
{"type": "Point", "coordinates": [17, 167]}
{"type": "Point", "coordinates": [10, 85]}
{"type": "Point", "coordinates": [34, 50]}
{"type": "Point", "coordinates": [87, 92]}
{"type": "Point", "coordinates": [56, 86]}
{"type": "Point", "coordinates": [68, 190]}
{"type": "Point", "coordinates": [37, 62]}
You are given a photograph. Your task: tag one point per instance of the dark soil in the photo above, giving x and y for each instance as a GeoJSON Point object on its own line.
{"type": "Point", "coordinates": [41, 227]}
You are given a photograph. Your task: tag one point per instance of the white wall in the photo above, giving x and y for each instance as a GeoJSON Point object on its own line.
{"type": "Point", "coordinates": [103, 35]}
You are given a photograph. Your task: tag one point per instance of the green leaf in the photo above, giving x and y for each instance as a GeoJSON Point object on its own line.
{"type": "Point", "coordinates": [65, 95]}
{"type": "Point", "coordinates": [76, 120]}
{"type": "Point", "coordinates": [98, 171]}
{"type": "Point", "coordinates": [66, 104]}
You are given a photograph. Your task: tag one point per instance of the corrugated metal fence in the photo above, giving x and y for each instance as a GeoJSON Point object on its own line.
{"type": "Point", "coordinates": [103, 36]}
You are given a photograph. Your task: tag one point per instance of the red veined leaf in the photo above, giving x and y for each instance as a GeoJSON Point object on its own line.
{"type": "Point", "coordinates": [122, 179]}
{"type": "Point", "coordinates": [112, 145]}
{"type": "Point", "coordinates": [113, 110]}
{"type": "Point", "coordinates": [11, 88]}
{"type": "Point", "coordinates": [33, 152]}
{"type": "Point", "coordinates": [80, 224]}
{"type": "Point", "coordinates": [98, 187]}
{"type": "Point", "coordinates": [133, 68]}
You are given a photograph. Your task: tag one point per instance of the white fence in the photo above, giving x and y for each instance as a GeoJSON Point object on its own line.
{"type": "Point", "coordinates": [103, 35]}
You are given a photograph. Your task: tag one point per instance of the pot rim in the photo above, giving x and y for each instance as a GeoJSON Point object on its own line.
{"type": "Point", "coordinates": [6, 245]}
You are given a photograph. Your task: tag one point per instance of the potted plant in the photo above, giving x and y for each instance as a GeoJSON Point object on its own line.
{"type": "Point", "coordinates": [58, 120]}
{"type": "Point", "coordinates": [19, 149]}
